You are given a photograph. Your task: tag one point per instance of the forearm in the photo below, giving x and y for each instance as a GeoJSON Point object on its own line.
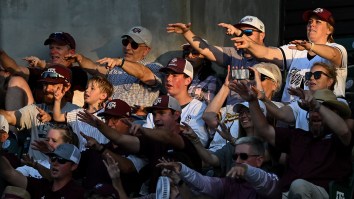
{"type": "Point", "coordinates": [164, 136]}
{"type": "Point", "coordinates": [206, 156]}
{"type": "Point", "coordinates": [139, 71]}
{"type": "Point", "coordinates": [57, 115]}
{"type": "Point", "coordinates": [8, 173]}
{"type": "Point", "coordinates": [92, 67]}
{"type": "Point", "coordinates": [327, 52]}
{"type": "Point", "coordinates": [117, 184]}
{"type": "Point", "coordinates": [284, 113]}
{"type": "Point", "coordinates": [9, 116]}
{"type": "Point", "coordinates": [271, 54]}
{"type": "Point", "coordinates": [125, 165]}
{"type": "Point", "coordinates": [219, 99]}
{"type": "Point", "coordinates": [262, 127]}
{"type": "Point", "coordinates": [10, 65]}
{"type": "Point", "coordinates": [44, 171]}
{"type": "Point", "coordinates": [264, 183]}
{"type": "Point", "coordinates": [336, 124]}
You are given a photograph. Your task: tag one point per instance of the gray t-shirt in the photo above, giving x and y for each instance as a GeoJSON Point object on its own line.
{"type": "Point", "coordinates": [26, 118]}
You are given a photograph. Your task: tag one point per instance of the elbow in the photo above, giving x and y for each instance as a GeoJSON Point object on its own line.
{"type": "Point", "coordinates": [210, 118]}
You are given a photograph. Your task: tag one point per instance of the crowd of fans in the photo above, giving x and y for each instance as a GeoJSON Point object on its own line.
{"type": "Point", "coordinates": [128, 128]}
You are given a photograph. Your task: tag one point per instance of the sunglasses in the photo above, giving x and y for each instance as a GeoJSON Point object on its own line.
{"type": "Point", "coordinates": [243, 156]}
{"type": "Point", "coordinates": [58, 159]}
{"type": "Point", "coordinates": [249, 32]}
{"type": "Point", "coordinates": [132, 43]}
{"type": "Point", "coordinates": [53, 75]}
{"type": "Point", "coordinates": [264, 77]}
{"type": "Point", "coordinates": [316, 75]}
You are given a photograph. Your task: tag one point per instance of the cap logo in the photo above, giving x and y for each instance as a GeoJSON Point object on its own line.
{"type": "Point", "coordinates": [51, 70]}
{"type": "Point", "coordinates": [3, 128]}
{"type": "Point", "coordinates": [318, 10]}
{"type": "Point", "coordinates": [98, 186]}
{"type": "Point", "coordinates": [247, 19]}
{"type": "Point", "coordinates": [157, 101]}
{"type": "Point", "coordinates": [111, 105]}
{"type": "Point", "coordinates": [136, 30]}
{"type": "Point", "coordinates": [173, 62]}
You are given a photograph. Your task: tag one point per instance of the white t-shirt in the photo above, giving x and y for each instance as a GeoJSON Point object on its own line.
{"type": "Point", "coordinates": [79, 126]}
{"type": "Point", "coordinates": [192, 115]}
{"type": "Point", "coordinates": [298, 64]}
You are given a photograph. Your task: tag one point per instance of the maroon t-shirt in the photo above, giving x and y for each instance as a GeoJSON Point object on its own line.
{"type": "Point", "coordinates": [42, 188]}
{"type": "Point", "coordinates": [317, 160]}
{"type": "Point", "coordinates": [154, 150]}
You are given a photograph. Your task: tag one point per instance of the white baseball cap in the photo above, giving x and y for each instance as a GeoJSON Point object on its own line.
{"type": "Point", "coordinates": [140, 35]}
{"type": "Point", "coordinates": [252, 21]}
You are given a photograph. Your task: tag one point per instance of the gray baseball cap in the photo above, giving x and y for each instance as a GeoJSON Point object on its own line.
{"type": "Point", "coordinates": [140, 35]}
{"type": "Point", "coordinates": [68, 152]}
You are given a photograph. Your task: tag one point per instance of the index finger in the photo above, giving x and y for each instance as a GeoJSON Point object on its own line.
{"type": "Point", "coordinates": [39, 109]}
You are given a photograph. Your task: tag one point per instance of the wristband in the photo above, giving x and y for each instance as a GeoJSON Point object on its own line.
{"type": "Point", "coordinates": [121, 65]}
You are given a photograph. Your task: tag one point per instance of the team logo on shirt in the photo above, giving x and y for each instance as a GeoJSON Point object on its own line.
{"type": "Point", "coordinates": [295, 77]}
{"type": "Point", "coordinates": [188, 119]}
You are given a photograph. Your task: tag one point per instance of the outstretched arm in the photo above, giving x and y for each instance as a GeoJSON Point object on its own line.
{"type": "Point", "coordinates": [135, 69]}
{"type": "Point", "coordinates": [87, 64]}
{"type": "Point", "coordinates": [10, 65]}
{"type": "Point", "coordinates": [128, 142]}
{"type": "Point", "coordinates": [209, 51]}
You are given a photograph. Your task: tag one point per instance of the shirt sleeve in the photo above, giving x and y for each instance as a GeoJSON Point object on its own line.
{"type": "Point", "coordinates": [264, 182]}
{"type": "Point", "coordinates": [204, 184]}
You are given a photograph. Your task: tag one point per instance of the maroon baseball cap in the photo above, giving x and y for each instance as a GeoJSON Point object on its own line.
{"type": "Point", "coordinates": [165, 102]}
{"type": "Point", "coordinates": [322, 13]}
{"type": "Point", "coordinates": [179, 65]}
{"type": "Point", "coordinates": [62, 38]}
{"type": "Point", "coordinates": [57, 74]}
{"type": "Point", "coordinates": [116, 108]}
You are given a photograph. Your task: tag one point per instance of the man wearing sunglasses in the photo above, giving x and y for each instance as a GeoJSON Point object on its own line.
{"type": "Point", "coordinates": [314, 157]}
{"type": "Point", "coordinates": [35, 117]}
{"type": "Point", "coordinates": [63, 161]}
{"type": "Point", "coordinates": [135, 80]}
{"type": "Point", "coordinates": [60, 45]}
{"type": "Point", "coordinates": [250, 26]}
{"type": "Point", "coordinates": [244, 180]}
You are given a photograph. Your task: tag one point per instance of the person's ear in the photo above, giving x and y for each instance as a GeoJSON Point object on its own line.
{"type": "Point", "coordinates": [177, 115]}
{"type": "Point", "coordinates": [262, 36]}
{"type": "Point", "coordinates": [146, 51]}
{"type": "Point", "coordinates": [259, 161]}
{"type": "Point", "coordinates": [74, 166]}
{"type": "Point", "coordinates": [188, 81]}
{"type": "Point", "coordinates": [329, 83]}
{"type": "Point", "coordinates": [66, 87]}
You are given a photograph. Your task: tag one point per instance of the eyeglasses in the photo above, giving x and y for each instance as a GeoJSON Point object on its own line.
{"type": "Point", "coordinates": [243, 156]}
{"type": "Point", "coordinates": [249, 32]}
{"type": "Point", "coordinates": [53, 75]}
{"type": "Point", "coordinates": [133, 44]}
{"type": "Point", "coordinates": [316, 75]}
{"type": "Point", "coordinates": [58, 159]}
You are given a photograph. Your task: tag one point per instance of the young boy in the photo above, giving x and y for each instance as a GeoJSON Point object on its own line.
{"type": "Point", "coordinates": [97, 92]}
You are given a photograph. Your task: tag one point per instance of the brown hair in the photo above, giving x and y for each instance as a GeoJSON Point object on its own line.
{"type": "Point", "coordinates": [104, 85]}
{"type": "Point", "coordinates": [330, 38]}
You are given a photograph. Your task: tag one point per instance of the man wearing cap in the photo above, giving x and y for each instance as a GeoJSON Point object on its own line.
{"type": "Point", "coordinates": [154, 143]}
{"type": "Point", "coordinates": [60, 44]}
{"type": "Point", "coordinates": [178, 76]}
{"type": "Point", "coordinates": [250, 26]}
{"type": "Point", "coordinates": [314, 157]}
{"type": "Point", "coordinates": [63, 161]}
{"type": "Point", "coordinates": [135, 79]}
{"type": "Point", "coordinates": [300, 55]}
{"type": "Point", "coordinates": [56, 77]}
{"type": "Point", "coordinates": [91, 166]}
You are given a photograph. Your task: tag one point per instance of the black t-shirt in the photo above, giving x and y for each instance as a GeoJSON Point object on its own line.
{"type": "Point", "coordinates": [41, 188]}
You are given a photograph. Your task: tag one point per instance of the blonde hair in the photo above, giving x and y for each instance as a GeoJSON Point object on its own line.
{"type": "Point", "coordinates": [273, 69]}
{"type": "Point", "coordinates": [104, 85]}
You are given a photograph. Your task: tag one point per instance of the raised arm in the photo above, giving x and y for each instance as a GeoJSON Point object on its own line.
{"type": "Point", "coordinates": [209, 51]}
{"type": "Point", "coordinates": [143, 73]}
{"type": "Point", "coordinates": [10, 65]}
{"type": "Point", "coordinates": [210, 113]}
{"type": "Point", "coordinates": [262, 127]}
{"type": "Point", "coordinates": [57, 115]}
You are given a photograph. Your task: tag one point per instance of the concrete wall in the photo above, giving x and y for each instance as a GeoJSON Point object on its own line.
{"type": "Point", "coordinates": [98, 24]}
